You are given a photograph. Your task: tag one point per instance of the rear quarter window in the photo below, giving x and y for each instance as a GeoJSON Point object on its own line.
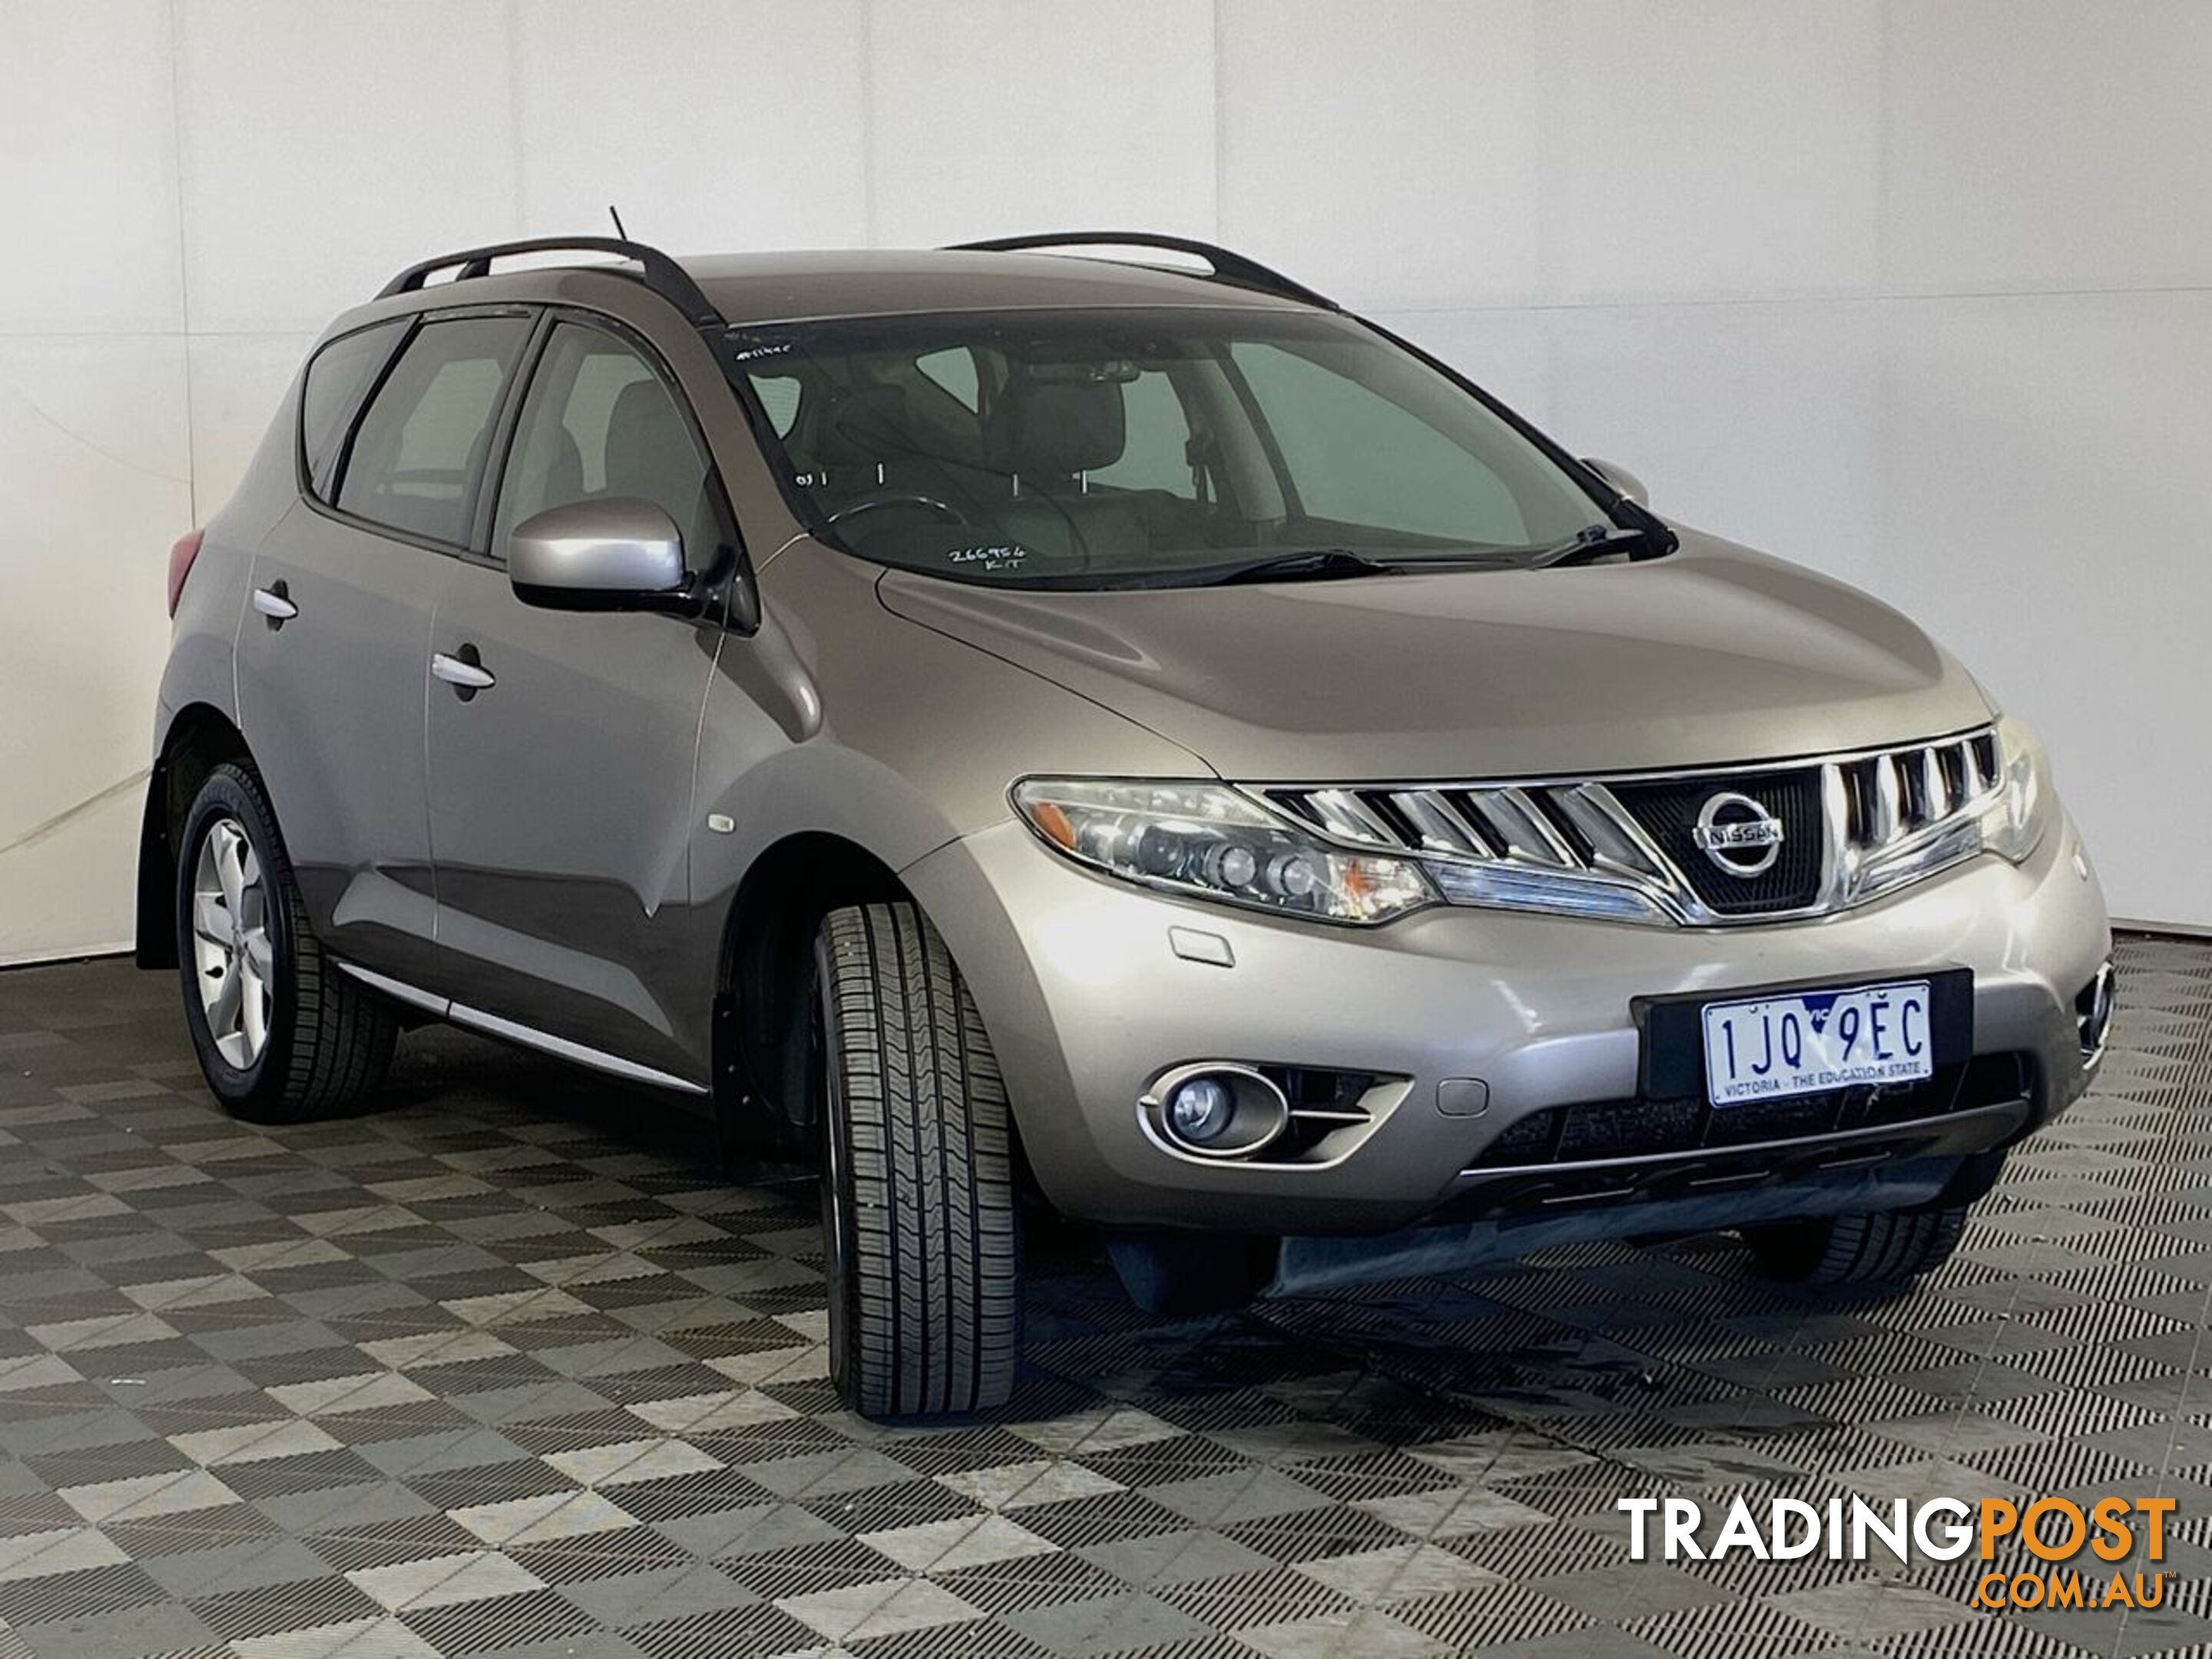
{"type": "Point", "coordinates": [338, 376]}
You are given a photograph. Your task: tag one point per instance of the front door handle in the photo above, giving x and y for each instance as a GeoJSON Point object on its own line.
{"type": "Point", "coordinates": [464, 670]}
{"type": "Point", "coordinates": [275, 603]}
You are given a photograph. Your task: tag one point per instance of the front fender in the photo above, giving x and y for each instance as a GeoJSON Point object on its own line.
{"type": "Point", "coordinates": [838, 719]}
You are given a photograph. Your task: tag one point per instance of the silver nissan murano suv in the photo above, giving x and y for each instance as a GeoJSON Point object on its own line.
{"type": "Point", "coordinates": [1116, 733]}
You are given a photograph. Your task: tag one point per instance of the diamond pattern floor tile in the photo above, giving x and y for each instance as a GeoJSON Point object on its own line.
{"type": "Point", "coordinates": [509, 1366]}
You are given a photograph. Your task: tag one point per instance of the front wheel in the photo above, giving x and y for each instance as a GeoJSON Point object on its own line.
{"type": "Point", "coordinates": [281, 1036]}
{"type": "Point", "coordinates": [922, 1245]}
{"type": "Point", "coordinates": [1892, 1247]}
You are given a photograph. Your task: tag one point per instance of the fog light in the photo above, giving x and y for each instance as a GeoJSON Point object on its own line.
{"type": "Point", "coordinates": [1200, 1109]}
{"type": "Point", "coordinates": [1215, 1109]}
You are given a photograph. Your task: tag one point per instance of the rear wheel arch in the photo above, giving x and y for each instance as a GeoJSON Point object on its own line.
{"type": "Point", "coordinates": [200, 739]}
{"type": "Point", "coordinates": [322, 1041]}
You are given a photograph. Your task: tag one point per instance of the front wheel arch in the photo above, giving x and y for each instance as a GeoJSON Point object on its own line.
{"type": "Point", "coordinates": [765, 982]}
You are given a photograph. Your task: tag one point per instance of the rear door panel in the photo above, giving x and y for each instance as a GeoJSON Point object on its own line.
{"type": "Point", "coordinates": [334, 647]}
{"type": "Point", "coordinates": [331, 702]}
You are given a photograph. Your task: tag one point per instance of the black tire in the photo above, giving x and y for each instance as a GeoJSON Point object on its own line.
{"type": "Point", "coordinates": [328, 1039]}
{"type": "Point", "coordinates": [922, 1244]}
{"type": "Point", "coordinates": [1892, 1247]}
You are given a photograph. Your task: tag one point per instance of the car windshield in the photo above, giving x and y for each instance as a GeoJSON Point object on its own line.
{"type": "Point", "coordinates": [1153, 446]}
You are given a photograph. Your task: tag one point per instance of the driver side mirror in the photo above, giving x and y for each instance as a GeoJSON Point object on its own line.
{"type": "Point", "coordinates": [1620, 478]}
{"type": "Point", "coordinates": [618, 553]}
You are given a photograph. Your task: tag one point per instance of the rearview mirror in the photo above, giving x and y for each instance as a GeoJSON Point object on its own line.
{"type": "Point", "coordinates": [616, 554]}
{"type": "Point", "coordinates": [1620, 478]}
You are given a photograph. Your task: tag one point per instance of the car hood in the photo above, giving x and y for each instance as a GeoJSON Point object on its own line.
{"type": "Point", "coordinates": [1713, 655]}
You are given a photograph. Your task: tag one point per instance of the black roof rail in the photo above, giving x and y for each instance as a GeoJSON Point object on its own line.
{"type": "Point", "coordinates": [661, 274]}
{"type": "Point", "coordinates": [1228, 267]}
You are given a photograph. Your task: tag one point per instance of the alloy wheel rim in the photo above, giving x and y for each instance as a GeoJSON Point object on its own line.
{"type": "Point", "coordinates": [233, 954]}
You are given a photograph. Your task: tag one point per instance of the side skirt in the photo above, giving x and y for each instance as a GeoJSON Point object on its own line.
{"type": "Point", "coordinates": [528, 1036]}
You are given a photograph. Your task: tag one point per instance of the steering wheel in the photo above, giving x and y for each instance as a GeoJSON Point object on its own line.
{"type": "Point", "coordinates": [944, 510]}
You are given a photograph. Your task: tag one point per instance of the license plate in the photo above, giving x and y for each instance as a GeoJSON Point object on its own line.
{"type": "Point", "coordinates": [1773, 1047]}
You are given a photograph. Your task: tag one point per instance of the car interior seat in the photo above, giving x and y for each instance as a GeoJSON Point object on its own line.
{"type": "Point", "coordinates": [650, 455]}
{"type": "Point", "coordinates": [1045, 437]}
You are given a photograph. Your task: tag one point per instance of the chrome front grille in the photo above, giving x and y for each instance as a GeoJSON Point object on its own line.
{"type": "Point", "coordinates": [1808, 836]}
{"type": "Point", "coordinates": [1890, 796]}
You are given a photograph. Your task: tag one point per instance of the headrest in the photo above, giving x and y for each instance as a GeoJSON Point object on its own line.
{"type": "Point", "coordinates": [863, 428]}
{"type": "Point", "coordinates": [564, 475]}
{"type": "Point", "coordinates": [1054, 428]}
{"type": "Point", "coordinates": [643, 428]}
{"type": "Point", "coordinates": [649, 452]}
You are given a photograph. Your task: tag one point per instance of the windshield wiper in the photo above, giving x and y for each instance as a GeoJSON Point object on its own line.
{"type": "Point", "coordinates": [1317, 564]}
{"type": "Point", "coordinates": [1599, 541]}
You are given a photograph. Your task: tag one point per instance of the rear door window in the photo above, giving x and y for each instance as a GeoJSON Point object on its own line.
{"type": "Point", "coordinates": [418, 457]}
{"type": "Point", "coordinates": [337, 378]}
{"type": "Point", "coordinates": [779, 395]}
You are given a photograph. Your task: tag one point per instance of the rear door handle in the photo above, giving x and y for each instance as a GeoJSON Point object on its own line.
{"type": "Point", "coordinates": [464, 670]}
{"type": "Point", "coordinates": [275, 603]}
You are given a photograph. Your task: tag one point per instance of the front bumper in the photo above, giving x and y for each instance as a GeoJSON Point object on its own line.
{"type": "Point", "coordinates": [1087, 1003]}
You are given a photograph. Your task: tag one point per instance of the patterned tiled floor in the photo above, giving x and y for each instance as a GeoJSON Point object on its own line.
{"type": "Point", "coordinates": [494, 1369]}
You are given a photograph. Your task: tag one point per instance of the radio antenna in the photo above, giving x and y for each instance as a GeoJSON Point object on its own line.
{"type": "Point", "coordinates": [614, 214]}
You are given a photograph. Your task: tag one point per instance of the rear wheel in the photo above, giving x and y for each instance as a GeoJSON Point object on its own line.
{"type": "Point", "coordinates": [1887, 1247]}
{"type": "Point", "coordinates": [921, 1239]}
{"type": "Point", "coordinates": [282, 1038]}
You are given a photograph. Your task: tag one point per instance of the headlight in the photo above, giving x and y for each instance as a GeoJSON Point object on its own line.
{"type": "Point", "coordinates": [1214, 843]}
{"type": "Point", "coordinates": [2012, 826]}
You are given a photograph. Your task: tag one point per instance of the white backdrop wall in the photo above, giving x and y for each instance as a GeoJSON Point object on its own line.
{"type": "Point", "coordinates": [1917, 292]}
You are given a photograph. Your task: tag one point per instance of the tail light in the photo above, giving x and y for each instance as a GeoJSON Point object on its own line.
{"type": "Point", "coordinates": [181, 555]}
